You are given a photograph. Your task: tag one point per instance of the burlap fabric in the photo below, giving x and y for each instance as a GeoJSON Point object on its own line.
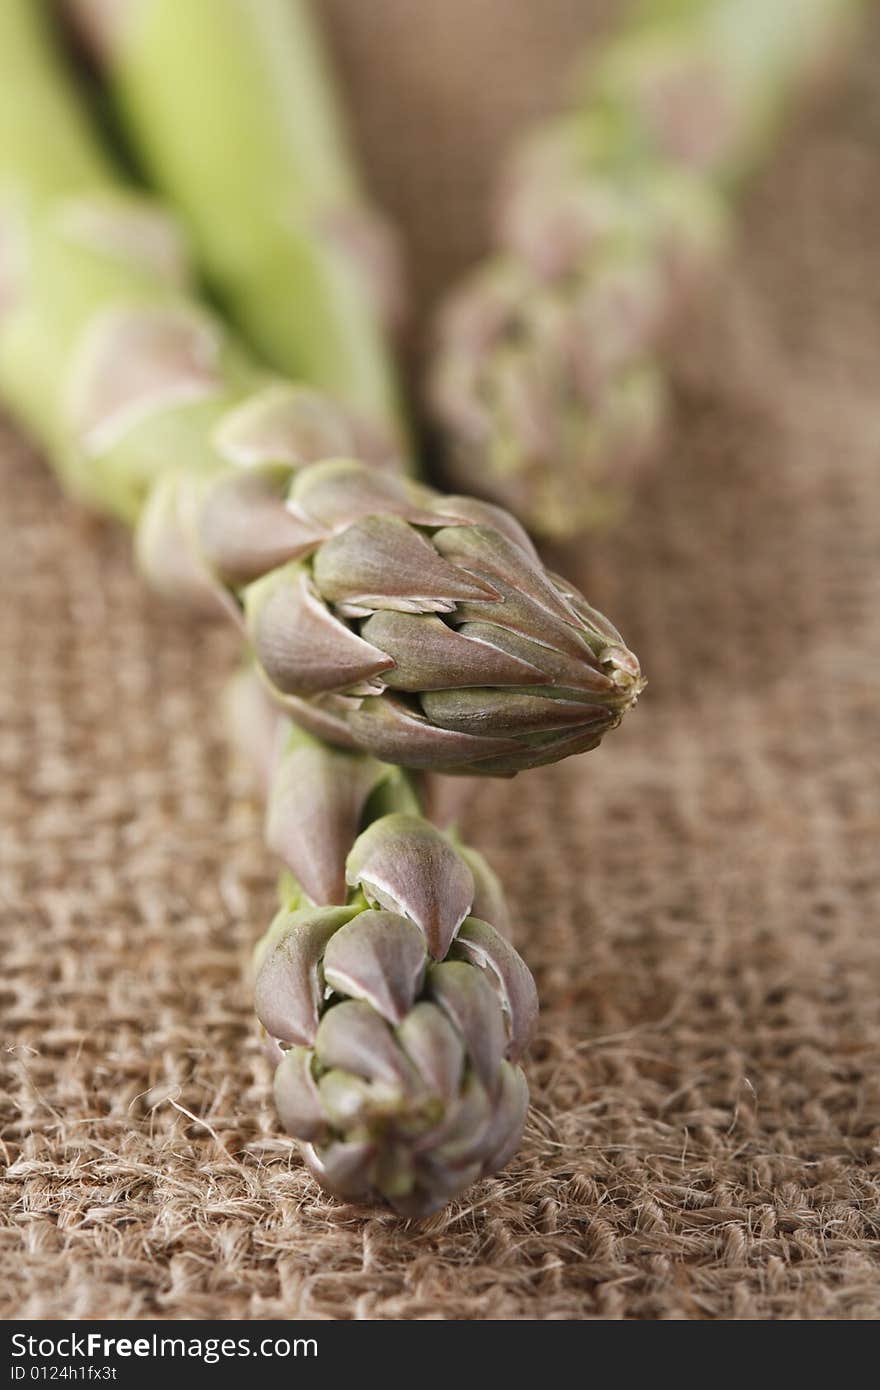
{"type": "Point", "coordinates": [698, 899]}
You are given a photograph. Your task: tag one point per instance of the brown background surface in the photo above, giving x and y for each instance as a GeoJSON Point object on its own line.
{"type": "Point", "coordinates": [698, 899]}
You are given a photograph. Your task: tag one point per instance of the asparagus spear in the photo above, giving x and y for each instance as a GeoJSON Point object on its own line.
{"type": "Point", "coordinates": [262, 178]}
{"type": "Point", "coordinates": [397, 1019]}
{"type": "Point", "coordinates": [421, 629]}
{"type": "Point", "coordinates": [546, 379]}
{"type": "Point", "coordinates": [150, 410]}
{"type": "Point", "coordinates": [484, 690]}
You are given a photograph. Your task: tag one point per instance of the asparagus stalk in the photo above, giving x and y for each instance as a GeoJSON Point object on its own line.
{"type": "Point", "coordinates": [408, 1013]}
{"type": "Point", "coordinates": [228, 103]}
{"type": "Point", "coordinates": [546, 380]}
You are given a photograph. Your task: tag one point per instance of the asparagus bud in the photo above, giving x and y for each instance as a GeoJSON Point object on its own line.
{"type": "Point", "coordinates": [419, 628]}
{"type": "Point", "coordinates": [400, 1021]}
{"type": "Point", "coordinates": [397, 1020]}
{"type": "Point", "coordinates": [545, 374]}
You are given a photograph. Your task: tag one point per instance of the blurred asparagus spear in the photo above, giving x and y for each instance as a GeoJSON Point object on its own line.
{"type": "Point", "coordinates": [229, 106]}
{"type": "Point", "coordinates": [547, 379]}
{"type": "Point", "coordinates": [404, 1080]}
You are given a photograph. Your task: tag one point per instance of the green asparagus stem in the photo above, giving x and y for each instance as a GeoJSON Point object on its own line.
{"type": "Point", "coordinates": [547, 381]}
{"type": "Point", "coordinates": [407, 1012]}
{"type": "Point", "coordinates": [229, 105]}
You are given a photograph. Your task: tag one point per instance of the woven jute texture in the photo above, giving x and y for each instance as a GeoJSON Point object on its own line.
{"type": "Point", "coordinates": [698, 898]}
